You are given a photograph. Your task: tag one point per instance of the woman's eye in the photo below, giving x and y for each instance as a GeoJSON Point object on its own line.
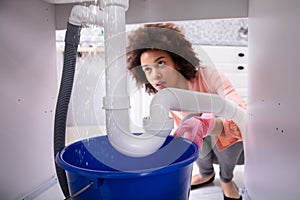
{"type": "Point", "coordinates": [161, 64]}
{"type": "Point", "coordinates": [147, 69]}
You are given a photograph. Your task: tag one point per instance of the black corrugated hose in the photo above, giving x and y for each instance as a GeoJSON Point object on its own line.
{"type": "Point", "coordinates": [72, 39]}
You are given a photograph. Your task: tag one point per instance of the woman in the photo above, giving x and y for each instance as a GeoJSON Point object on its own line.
{"type": "Point", "coordinates": [158, 57]}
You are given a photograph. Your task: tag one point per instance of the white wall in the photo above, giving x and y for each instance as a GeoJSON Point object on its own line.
{"type": "Point", "coordinates": [272, 141]}
{"type": "Point", "coordinates": [28, 89]}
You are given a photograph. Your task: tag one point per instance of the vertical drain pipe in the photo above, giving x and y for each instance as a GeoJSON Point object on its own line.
{"type": "Point", "coordinates": [116, 102]}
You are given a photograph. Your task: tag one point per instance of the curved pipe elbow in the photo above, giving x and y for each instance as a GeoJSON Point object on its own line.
{"type": "Point", "coordinates": [136, 146]}
{"type": "Point", "coordinates": [133, 145]}
{"type": "Point", "coordinates": [90, 15]}
{"type": "Point", "coordinates": [141, 144]}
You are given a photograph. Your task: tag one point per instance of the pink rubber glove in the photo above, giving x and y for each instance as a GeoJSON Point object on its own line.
{"type": "Point", "coordinates": [196, 128]}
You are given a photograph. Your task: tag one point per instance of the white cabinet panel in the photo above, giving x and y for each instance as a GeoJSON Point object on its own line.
{"type": "Point", "coordinates": [232, 61]}
{"type": "Point", "coordinates": [233, 68]}
{"type": "Point", "coordinates": [224, 54]}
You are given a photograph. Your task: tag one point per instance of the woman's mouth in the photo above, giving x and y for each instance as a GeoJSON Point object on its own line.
{"type": "Point", "coordinates": [160, 85]}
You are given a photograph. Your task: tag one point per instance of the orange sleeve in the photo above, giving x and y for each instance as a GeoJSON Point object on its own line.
{"type": "Point", "coordinates": [230, 134]}
{"type": "Point", "coordinates": [218, 83]}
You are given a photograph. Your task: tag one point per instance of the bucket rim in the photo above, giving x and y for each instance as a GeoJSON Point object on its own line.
{"type": "Point", "coordinates": [130, 173]}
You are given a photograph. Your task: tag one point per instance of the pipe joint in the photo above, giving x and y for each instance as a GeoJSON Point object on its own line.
{"type": "Point", "coordinates": [121, 3]}
{"type": "Point", "coordinates": [160, 128]}
{"type": "Point", "coordinates": [90, 15]}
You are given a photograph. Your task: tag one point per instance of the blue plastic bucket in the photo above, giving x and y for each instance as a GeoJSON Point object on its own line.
{"type": "Point", "coordinates": [164, 175]}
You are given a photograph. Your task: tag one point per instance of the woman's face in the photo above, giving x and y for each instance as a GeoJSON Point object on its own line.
{"type": "Point", "coordinates": [161, 71]}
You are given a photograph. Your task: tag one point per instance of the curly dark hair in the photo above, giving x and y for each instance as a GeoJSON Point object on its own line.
{"type": "Point", "coordinates": [161, 36]}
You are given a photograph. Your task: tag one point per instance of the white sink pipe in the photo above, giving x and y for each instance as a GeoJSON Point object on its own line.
{"type": "Point", "coordinates": [189, 101]}
{"type": "Point", "coordinates": [117, 102]}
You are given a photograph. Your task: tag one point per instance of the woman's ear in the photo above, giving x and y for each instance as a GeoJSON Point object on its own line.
{"type": "Point", "coordinates": [177, 67]}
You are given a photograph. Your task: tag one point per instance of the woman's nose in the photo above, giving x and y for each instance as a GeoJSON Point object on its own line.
{"type": "Point", "coordinates": [156, 73]}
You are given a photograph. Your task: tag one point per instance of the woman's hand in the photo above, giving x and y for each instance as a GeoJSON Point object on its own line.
{"type": "Point", "coordinates": [196, 128]}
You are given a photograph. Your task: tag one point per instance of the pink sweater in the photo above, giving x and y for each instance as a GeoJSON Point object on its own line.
{"type": "Point", "coordinates": [211, 80]}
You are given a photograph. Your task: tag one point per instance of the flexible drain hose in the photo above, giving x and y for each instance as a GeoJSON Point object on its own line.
{"type": "Point", "coordinates": [72, 40]}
